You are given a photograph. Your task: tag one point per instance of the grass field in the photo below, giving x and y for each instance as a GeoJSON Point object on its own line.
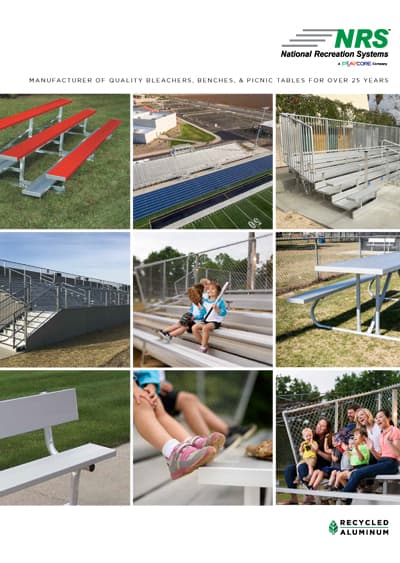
{"type": "Point", "coordinates": [98, 349]}
{"type": "Point", "coordinates": [256, 209]}
{"type": "Point", "coordinates": [103, 404]}
{"type": "Point", "coordinates": [97, 195]}
{"type": "Point", "coordinates": [301, 344]}
{"type": "Point", "coordinates": [191, 133]}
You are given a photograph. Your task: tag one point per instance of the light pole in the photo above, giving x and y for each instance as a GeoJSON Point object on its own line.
{"type": "Point", "coordinates": [260, 126]}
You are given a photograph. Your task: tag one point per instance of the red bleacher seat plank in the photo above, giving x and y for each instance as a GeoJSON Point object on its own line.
{"type": "Point", "coordinates": [40, 139]}
{"type": "Point", "coordinates": [11, 120]}
{"type": "Point", "coordinates": [69, 164]}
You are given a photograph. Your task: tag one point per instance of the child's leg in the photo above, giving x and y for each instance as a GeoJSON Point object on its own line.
{"type": "Point", "coordinates": [332, 478]}
{"type": "Point", "coordinates": [318, 479]}
{"type": "Point", "coordinates": [148, 426]}
{"type": "Point", "coordinates": [196, 330]}
{"type": "Point", "coordinates": [178, 331]}
{"type": "Point", "coordinates": [169, 423]}
{"type": "Point", "coordinates": [199, 417]}
{"type": "Point", "coordinates": [206, 333]}
{"type": "Point", "coordinates": [172, 327]}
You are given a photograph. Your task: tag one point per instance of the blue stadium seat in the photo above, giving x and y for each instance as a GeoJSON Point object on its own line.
{"type": "Point", "coordinates": [164, 198]}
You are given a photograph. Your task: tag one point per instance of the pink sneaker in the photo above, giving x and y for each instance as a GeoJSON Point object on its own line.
{"type": "Point", "coordinates": [215, 439]}
{"type": "Point", "coordinates": [204, 349]}
{"type": "Point", "coordinates": [185, 458]}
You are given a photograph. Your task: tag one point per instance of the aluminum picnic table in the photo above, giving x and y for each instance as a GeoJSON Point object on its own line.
{"type": "Point", "coordinates": [378, 267]}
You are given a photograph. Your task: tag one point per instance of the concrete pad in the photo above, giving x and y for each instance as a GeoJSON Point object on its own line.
{"type": "Point", "coordinates": [382, 213]}
{"type": "Point", "coordinates": [109, 484]}
{"type": "Point", "coordinates": [6, 352]}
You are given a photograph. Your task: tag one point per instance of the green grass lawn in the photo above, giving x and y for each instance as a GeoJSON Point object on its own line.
{"type": "Point", "coordinates": [238, 215]}
{"type": "Point", "coordinates": [103, 404]}
{"type": "Point", "coordinates": [192, 133]}
{"type": "Point", "coordinates": [97, 195]}
{"type": "Point", "coordinates": [301, 344]}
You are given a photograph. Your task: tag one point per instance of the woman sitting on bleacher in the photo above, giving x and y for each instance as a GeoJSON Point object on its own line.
{"type": "Point", "coordinates": [387, 457]}
{"type": "Point", "coordinates": [365, 419]}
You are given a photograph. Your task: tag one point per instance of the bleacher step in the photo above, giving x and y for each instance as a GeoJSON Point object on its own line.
{"type": "Point", "coordinates": [38, 187]}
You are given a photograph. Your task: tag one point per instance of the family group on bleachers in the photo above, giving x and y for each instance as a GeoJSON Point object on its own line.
{"type": "Point", "coordinates": [343, 461]}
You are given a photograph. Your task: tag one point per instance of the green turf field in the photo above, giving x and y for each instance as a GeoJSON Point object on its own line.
{"type": "Point", "coordinates": [254, 212]}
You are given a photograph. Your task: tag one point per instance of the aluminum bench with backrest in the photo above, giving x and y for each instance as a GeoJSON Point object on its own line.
{"type": "Point", "coordinates": [42, 411]}
{"type": "Point", "coordinates": [17, 154]}
{"type": "Point", "coordinates": [29, 115]}
{"type": "Point", "coordinates": [58, 174]}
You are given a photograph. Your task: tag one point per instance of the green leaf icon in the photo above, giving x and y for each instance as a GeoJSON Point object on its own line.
{"type": "Point", "coordinates": [333, 527]}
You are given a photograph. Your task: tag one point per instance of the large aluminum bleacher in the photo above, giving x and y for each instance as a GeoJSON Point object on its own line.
{"type": "Point", "coordinates": [148, 172]}
{"type": "Point", "coordinates": [348, 162]}
{"type": "Point", "coordinates": [30, 297]}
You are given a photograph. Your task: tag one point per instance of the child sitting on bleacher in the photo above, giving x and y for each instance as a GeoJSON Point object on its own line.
{"type": "Point", "coordinates": [215, 311]}
{"type": "Point", "coordinates": [358, 454]}
{"type": "Point", "coordinates": [183, 453]}
{"type": "Point", "coordinates": [188, 319]}
{"type": "Point", "coordinates": [308, 454]}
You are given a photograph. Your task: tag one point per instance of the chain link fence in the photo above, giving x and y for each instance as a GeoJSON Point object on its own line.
{"type": "Point", "coordinates": [246, 265]}
{"type": "Point", "coordinates": [297, 255]}
{"type": "Point", "coordinates": [336, 411]}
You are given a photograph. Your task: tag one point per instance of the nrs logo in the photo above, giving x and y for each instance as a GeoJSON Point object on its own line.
{"type": "Point", "coordinates": [366, 38]}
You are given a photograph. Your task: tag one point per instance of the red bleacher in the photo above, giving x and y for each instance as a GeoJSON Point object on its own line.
{"type": "Point", "coordinates": [12, 120]}
{"type": "Point", "coordinates": [40, 139]}
{"type": "Point", "coordinates": [70, 163]}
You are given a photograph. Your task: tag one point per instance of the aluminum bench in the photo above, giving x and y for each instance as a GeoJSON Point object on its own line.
{"type": "Point", "coordinates": [42, 411]}
{"type": "Point", "coordinates": [56, 176]}
{"type": "Point", "coordinates": [315, 295]}
{"type": "Point", "coordinates": [234, 468]}
{"type": "Point", "coordinates": [29, 115]}
{"type": "Point", "coordinates": [18, 153]}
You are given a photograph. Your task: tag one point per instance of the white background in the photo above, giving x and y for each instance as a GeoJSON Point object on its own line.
{"type": "Point", "coordinates": [175, 38]}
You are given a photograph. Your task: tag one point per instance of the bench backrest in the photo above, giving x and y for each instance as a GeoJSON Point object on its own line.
{"type": "Point", "coordinates": [26, 414]}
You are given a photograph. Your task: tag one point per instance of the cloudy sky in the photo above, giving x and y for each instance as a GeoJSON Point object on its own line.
{"type": "Point", "coordinates": [323, 379]}
{"type": "Point", "coordinates": [190, 241]}
{"type": "Point", "coordinates": [101, 255]}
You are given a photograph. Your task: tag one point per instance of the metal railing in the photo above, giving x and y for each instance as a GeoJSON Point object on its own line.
{"type": "Point", "coordinates": [246, 264]}
{"type": "Point", "coordinates": [336, 411]}
{"type": "Point", "coordinates": [304, 136]}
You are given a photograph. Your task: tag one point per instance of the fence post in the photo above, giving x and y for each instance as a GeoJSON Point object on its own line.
{"type": "Point", "coordinates": [251, 260]}
{"type": "Point", "coordinates": [395, 406]}
{"type": "Point", "coordinates": [360, 246]}
{"type": "Point", "coordinates": [196, 269]}
{"type": "Point", "coordinates": [164, 280]}
{"type": "Point", "coordinates": [316, 255]}
{"type": "Point", "coordinates": [58, 297]}
{"type": "Point", "coordinates": [187, 274]}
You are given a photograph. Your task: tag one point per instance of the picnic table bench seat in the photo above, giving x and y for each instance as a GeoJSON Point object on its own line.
{"type": "Point", "coordinates": [321, 292]}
